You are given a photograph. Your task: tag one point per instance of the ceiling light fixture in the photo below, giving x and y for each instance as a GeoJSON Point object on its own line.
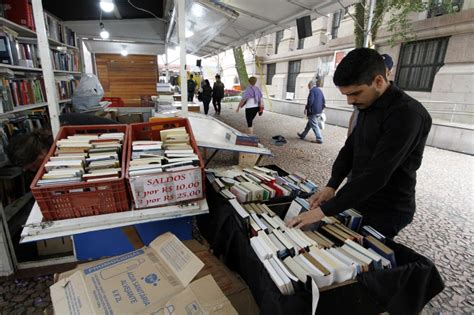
{"type": "Point", "coordinates": [124, 52]}
{"type": "Point", "coordinates": [103, 32]}
{"type": "Point", "coordinates": [107, 5]}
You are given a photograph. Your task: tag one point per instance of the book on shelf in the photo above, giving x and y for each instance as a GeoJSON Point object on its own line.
{"type": "Point", "coordinates": [20, 12]}
{"type": "Point", "coordinates": [57, 31]}
{"type": "Point", "coordinates": [65, 60]}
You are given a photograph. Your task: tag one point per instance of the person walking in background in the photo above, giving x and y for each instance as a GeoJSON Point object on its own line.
{"type": "Point", "coordinates": [206, 95]}
{"type": "Point", "coordinates": [253, 102]}
{"type": "Point", "coordinates": [388, 61]}
{"type": "Point", "coordinates": [191, 88]}
{"type": "Point", "coordinates": [313, 110]}
{"type": "Point", "coordinates": [217, 94]}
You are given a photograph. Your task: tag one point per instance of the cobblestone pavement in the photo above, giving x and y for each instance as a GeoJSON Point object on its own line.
{"type": "Point", "coordinates": [443, 227]}
{"type": "Point", "coordinates": [25, 296]}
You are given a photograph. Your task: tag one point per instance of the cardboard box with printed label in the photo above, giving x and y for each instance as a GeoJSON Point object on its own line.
{"type": "Point", "coordinates": [152, 280]}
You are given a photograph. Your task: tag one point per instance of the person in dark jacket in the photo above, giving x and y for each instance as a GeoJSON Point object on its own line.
{"type": "Point", "coordinates": [217, 94]}
{"type": "Point", "coordinates": [206, 95]}
{"type": "Point", "coordinates": [191, 88]}
{"type": "Point", "coordinates": [313, 110]}
{"type": "Point", "coordinates": [384, 150]}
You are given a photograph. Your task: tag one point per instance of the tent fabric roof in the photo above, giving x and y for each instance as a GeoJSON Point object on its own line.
{"type": "Point", "coordinates": [263, 17]}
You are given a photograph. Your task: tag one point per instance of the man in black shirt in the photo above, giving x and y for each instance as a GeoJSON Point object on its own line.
{"type": "Point", "coordinates": [384, 150]}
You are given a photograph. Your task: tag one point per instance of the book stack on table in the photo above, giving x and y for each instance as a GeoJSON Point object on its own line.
{"type": "Point", "coordinates": [84, 158]}
{"type": "Point", "coordinates": [257, 183]}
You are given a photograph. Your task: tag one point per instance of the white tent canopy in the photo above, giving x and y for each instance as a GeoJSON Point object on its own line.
{"type": "Point", "coordinates": [259, 18]}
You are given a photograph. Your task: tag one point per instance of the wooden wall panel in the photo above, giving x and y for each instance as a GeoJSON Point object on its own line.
{"type": "Point", "coordinates": [127, 77]}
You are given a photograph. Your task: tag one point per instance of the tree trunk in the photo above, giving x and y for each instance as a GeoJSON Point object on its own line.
{"type": "Point", "coordinates": [378, 17]}
{"type": "Point", "coordinates": [241, 68]}
{"type": "Point", "coordinates": [360, 20]}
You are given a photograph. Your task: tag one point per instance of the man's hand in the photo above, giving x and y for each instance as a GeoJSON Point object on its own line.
{"type": "Point", "coordinates": [306, 218]}
{"type": "Point", "coordinates": [238, 107]}
{"type": "Point", "coordinates": [321, 196]}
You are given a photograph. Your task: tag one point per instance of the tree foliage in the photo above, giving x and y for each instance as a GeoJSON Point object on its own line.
{"type": "Point", "coordinates": [398, 24]}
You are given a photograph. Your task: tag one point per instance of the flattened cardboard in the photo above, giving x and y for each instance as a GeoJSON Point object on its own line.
{"type": "Point", "coordinates": [141, 281]}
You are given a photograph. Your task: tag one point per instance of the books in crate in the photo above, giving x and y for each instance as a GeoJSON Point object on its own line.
{"type": "Point", "coordinates": [84, 158]}
{"type": "Point", "coordinates": [172, 153]}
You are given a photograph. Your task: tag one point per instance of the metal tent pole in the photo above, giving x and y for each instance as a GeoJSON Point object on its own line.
{"type": "Point", "coordinates": [182, 56]}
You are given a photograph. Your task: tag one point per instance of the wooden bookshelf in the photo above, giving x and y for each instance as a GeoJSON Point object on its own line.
{"type": "Point", "coordinates": [26, 34]}
{"type": "Point", "coordinates": [13, 67]}
{"type": "Point", "coordinates": [21, 30]}
{"type": "Point", "coordinates": [67, 72]}
{"type": "Point", "coordinates": [22, 108]}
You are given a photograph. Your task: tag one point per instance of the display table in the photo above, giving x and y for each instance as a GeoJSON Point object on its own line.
{"type": "Point", "coordinates": [402, 290]}
{"type": "Point", "coordinates": [115, 233]}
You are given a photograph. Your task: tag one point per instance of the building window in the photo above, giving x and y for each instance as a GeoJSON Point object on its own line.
{"type": "Point", "coordinates": [440, 7]}
{"type": "Point", "coordinates": [300, 43]}
{"type": "Point", "coordinates": [293, 71]}
{"type": "Point", "coordinates": [271, 67]}
{"type": "Point", "coordinates": [278, 38]}
{"type": "Point", "coordinates": [336, 21]}
{"type": "Point", "coordinates": [419, 62]}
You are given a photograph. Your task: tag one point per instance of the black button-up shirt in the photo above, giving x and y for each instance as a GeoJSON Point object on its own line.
{"type": "Point", "coordinates": [384, 151]}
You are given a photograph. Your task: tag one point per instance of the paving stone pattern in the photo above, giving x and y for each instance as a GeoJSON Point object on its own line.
{"type": "Point", "coordinates": [443, 227]}
{"type": "Point", "coordinates": [28, 296]}
{"type": "Point", "coordinates": [442, 230]}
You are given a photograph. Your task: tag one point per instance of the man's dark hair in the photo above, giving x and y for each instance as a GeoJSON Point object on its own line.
{"type": "Point", "coordinates": [24, 149]}
{"type": "Point", "coordinates": [359, 67]}
{"type": "Point", "coordinates": [191, 76]}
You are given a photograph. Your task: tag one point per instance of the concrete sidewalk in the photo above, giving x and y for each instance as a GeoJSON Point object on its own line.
{"type": "Point", "coordinates": [443, 227]}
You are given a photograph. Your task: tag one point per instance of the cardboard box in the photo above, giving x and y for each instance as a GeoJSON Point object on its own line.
{"type": "Point", "coordinates": [234, 288]}
{"type": "Point", "coordinates": [154, 279]}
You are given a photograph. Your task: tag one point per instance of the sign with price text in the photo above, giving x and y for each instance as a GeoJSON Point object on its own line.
{"type": "Point", "coordinates": [166, 188]}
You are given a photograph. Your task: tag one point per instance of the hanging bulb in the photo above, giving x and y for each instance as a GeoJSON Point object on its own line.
{"type": "Point", "coordinates": [107, 5]}
{"type": "Point", "coordinates": [103, 32]}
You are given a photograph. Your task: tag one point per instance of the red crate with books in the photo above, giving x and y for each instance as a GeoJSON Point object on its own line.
{"type": "Point", "coordinates": [83, 173]}
{"type": "Point", "coordinates": [164, 165]}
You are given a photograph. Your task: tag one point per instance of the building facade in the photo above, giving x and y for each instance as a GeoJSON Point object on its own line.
{"type": "Point", "coordinates": [436, 66]}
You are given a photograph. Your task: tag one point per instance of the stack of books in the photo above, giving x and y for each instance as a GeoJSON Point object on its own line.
{"type": "Point", "coordinates": [179, 154]}
{"type": "Point", "coordinates": [332, 254]}
{"type": "Point", "coordinates": [257, 183]}
{"type": "Point", "coordinates": [147, 157]}
{"type": "Point", "coordinates": [84, 158]}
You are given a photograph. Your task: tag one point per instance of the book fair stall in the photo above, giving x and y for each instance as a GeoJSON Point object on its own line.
{"type": "Point", "coordinates": [117, 188]}
{"type": "Point", "coordinates": [146, 222]}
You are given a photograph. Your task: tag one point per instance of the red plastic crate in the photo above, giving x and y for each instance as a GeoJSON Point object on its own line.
{"type": "Point", "coordinates": [151, 131]}
{"type": "Point", "coordinates": [64, 201]}
{"type": "Point", "coordinates": [116, 101]}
